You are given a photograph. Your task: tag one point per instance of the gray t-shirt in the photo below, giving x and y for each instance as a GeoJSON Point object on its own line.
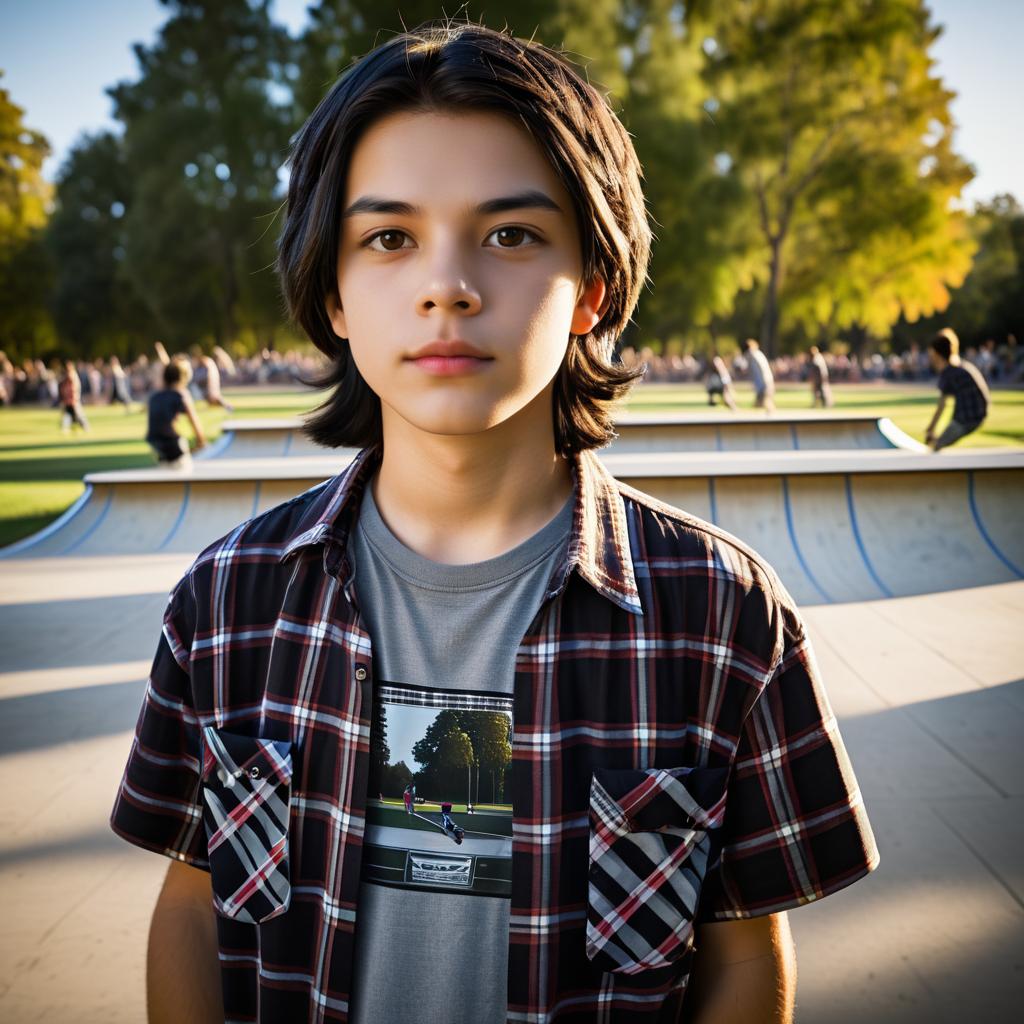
{"type": "Point", "coordinates": [433, 920]}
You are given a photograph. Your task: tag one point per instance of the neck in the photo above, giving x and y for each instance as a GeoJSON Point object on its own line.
{"type": "Point", "coordinates": [463, 498]}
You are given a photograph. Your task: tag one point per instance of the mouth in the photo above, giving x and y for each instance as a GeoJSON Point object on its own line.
{"type": "Point", "coordinates": [449, 357]}
{"type": "Point", "coordinates": [449, 366]}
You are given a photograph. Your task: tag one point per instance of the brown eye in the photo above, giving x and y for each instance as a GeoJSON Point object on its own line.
{"type": "Point", "coordinates": [391, 236]}
{"type": "Point", "coordinates": [512, 237]}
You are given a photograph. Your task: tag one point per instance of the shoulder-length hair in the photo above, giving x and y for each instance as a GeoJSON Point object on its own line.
{"type": "Point", "coordinates": [445, 66]}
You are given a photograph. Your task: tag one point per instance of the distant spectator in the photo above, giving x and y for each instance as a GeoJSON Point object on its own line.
{"type": "Point", "coordinates": [120, 390]}
{"type": "Point", "coordinates": [961, 380]}
{"type": "Point", "coordinates": [210, 381]}
{"type": "Point", "coordinates": [170, 448]}
{"type": "Point", "coordinates": [761, 376]}
{"type": "Point", "coordinates": [817, 374]}
{"type": "Point", "coordinates": [719, 382]}
{"type": "Point", "coordinates": [69, 393]}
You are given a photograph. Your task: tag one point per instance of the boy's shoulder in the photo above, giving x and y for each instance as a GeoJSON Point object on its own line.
{"type": "Point", "coordinates": [673, 538]}
{"type": "Point", "coordinates": [266, 537]}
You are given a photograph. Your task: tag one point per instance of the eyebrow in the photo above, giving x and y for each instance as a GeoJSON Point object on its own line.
{"type": "Point", "coordinates": [529, 199]}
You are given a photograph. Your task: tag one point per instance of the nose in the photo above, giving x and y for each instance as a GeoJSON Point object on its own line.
{"type": "Point", "coordinates": [449, 289]}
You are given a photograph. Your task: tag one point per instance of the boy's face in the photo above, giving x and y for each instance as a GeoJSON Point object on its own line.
{"type": "Point", "coordinates": [506, 282]}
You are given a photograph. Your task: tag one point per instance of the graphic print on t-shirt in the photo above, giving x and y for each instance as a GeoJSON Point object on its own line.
{"type": "Point", "coordinates": [439, 814]}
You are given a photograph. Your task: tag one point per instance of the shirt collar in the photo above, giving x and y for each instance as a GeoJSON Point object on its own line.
{"type": "Point", "coordinates": [599, 548]}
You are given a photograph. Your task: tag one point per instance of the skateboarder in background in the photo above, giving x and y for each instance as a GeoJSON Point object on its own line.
{"type": "Point", "coordinates": [964, 383]}
{"type": "Point", "coordinates": [761, 376]}
{"type": "Point", "coordinates": [165, 405]}
{"type": "Point", "coordinates": [446, 816]}
{"type": "Point", "coordinates": [407, 799]}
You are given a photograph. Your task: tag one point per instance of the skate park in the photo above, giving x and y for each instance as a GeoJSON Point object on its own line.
{"type": "Point", "coordinates": [637, 432]}
{"type": "Point", "coordinates": [909, 569]}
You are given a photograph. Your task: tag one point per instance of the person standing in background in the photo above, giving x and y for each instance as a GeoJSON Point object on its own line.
{"type": "Point", "coordinates": [821, 389]}
{"type": "Point", "coordinates": [69, 393]}
{"type": "Point", "coordinates": [761, 376]}
{"type": "Point", "coordinates": [120, 391]}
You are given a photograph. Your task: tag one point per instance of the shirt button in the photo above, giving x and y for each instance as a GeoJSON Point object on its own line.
{"type": "Point", "coordinates": [254, 772]}
{"type": "Point", "coordinates": [360, 673]}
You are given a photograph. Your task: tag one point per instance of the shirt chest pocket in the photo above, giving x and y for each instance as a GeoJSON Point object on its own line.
{"type": "Point", "coordinates": [246, 801]}
{"type": "Point", "coordinates": [651, 837]}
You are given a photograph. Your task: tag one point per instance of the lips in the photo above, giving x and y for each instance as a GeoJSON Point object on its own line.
{"type": "Point", "coordinates": [449, 348]}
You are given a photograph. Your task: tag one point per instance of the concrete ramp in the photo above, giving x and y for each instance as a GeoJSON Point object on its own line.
{"type": "Point", "coordinates": [637, 432]}
{"type": "Point", "coordinates": [838, 527]}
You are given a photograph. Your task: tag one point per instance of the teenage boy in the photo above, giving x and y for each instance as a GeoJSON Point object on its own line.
{"type": "Point", "coordinates": [466, 238]}
{"type": "Point", "coordinates": [961, 380]}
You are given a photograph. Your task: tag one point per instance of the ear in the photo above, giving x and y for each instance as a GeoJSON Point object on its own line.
{"type": "Point", "coordinates": [335, 313]}
{"type": "Point", "coordinates": [590, 307]}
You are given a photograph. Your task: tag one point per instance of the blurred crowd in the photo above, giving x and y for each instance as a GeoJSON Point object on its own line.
{"type": "Point", "coordinates": [999, 364]}
{"type": "Point", "coordinates": [105, 381]}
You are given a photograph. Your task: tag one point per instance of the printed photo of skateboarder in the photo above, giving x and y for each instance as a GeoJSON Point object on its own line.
{"type": "Point", "coordinates": [440, 815]}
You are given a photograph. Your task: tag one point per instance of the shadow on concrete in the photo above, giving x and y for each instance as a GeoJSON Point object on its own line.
{"type": "Point", "coordinates": [86, 631]}
{"type": "Point", "coordinates": [45, 720]}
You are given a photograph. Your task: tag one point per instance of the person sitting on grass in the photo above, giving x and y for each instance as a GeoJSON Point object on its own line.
{"type": "Point", "coordinates": [171, 449]}
{"type": "Point", "coordinates": [964, 383]}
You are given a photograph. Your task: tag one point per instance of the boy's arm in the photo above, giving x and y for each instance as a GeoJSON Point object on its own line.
{"type": "Point", "coordinates": [182, 965]}
{"type": "Point", "coordinates": [744, 972]}
{"type": "Point", "coordinates": [929, 434]}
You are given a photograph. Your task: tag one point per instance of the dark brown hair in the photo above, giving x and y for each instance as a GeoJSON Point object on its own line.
{"type": "Point", "coordinates": [946, 343]}
{"type": "Point", "coordinates": [450, 66]}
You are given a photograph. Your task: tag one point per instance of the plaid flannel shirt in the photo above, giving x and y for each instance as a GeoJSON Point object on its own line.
{"type": "Point", "coordinates": [675, 758]}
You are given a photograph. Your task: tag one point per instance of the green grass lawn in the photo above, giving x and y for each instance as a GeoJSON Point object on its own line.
{"type": "Point", "coordinates": [41, 469]}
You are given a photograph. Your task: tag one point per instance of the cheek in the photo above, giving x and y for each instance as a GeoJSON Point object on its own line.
{"type": "Point", "coordinates": [546, 331]}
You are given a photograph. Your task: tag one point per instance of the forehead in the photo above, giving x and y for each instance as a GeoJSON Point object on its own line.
{"type": "Point", "coordinates": [436, 159]}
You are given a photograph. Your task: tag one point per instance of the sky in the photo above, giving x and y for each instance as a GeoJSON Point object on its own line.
{"type": "Point", "coordinates": [58, 56]}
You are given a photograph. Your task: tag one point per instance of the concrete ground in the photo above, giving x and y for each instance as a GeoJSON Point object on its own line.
{"type": "Point", "coordinates": [927, 689]}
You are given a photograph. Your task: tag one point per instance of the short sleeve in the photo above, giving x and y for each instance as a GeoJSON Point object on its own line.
{"type": "Point", "coordinates": [795, 827]}
{"type": "Point", "coordinates": [159, 801]}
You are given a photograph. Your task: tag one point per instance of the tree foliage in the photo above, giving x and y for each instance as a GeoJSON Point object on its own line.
{"type": "Point", "coordinates": [798, 155]}
{"type": "Point", "coordinates": [25, 269]}
{"type": "Point", "coordinates": [206, 129]}
{"type": "Point", "coordinates": [831, 118]}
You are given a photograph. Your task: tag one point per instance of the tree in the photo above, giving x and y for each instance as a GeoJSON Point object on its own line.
{"type": "Point", "coordinates": [832, 121]}
{"type": "Point", "coordinates": [489, 732]}
{"type": "Point", "coordinates": [25, 268]}
{"type": "Point", "coordinates": [95, 304]}
{"type": "Point", "coordinates": [990, 303]}
{"type": "Point", "coordinates": [206, 132]}
{"type": "Point", "coordinates": [444, 751]}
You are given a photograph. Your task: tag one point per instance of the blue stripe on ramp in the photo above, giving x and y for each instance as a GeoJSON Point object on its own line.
{"type": "Point", "coordinates": [984, 533]}
{"type": "Point", "coordinates": [177, 522]}
{"type": "Point", "coordinates": [796, 546]}
{"type": "Point", "coordinates": [860, 542]}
